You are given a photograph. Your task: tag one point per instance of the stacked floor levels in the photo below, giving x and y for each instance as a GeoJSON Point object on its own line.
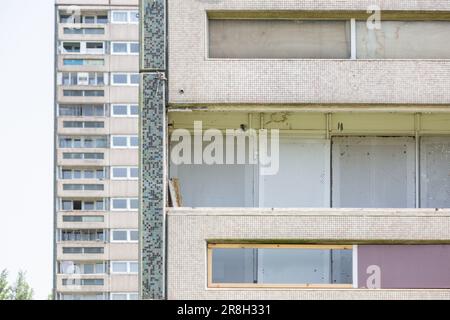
{"type": "Point", "coordinates": [96, 164]}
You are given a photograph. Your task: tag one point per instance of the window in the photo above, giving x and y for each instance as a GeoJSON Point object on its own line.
{"type": "Point", "coordinates": [82, 78]}
{"type": "Point", "coordinates": [83, 93]}
{"type": "Point", "coordinates": [82, 282]}
{"type": "Point", "coordinates": [435, 172]}
{"type": "Point", "coordinates": [83, 205]}
{"type": "Point", "coordinates": [84, 124]}
{"type": "Point", "coordinates": [124, 266]}
{"type": "Point", "coordinates": [83, 156]}
{"type": "Point", "coordinates": [83, 219]}
{"type": "Point", "coordinates": [278, 265]}
{"type": "Point", "coordinates": [124, 142]}
{"type": "Point", "coordinates": [125, 17]}
{"type": "Point", "coordinates": [125, 48]}
{"type": "Point", "coordinates": [124, 296]}
{"type": "Point", "coordinates": [124, 236]}
{"type": "Point", "coordinates": [83, 142]}
{"type": "Point", "coordinates": [83, 187]}
{"type": "Point", "coordinates": [130, 79]}
{"type": "Point", "coordinates": [82, 235]}
{"type": "Point", "coordinates": [69, 110]}
{"type": "Point", "coordinates": [89, 19]}
{"type": "Point", "coordinates": [83, 250]}
{"type": "Point", "coordinates": [119, 17]}
{"type": "Point", "coordinates": [70, 267]}
{"type": "Point", "coordinates": [279, 39]}
{"type": "Point", "coordinates": [124, 173]}
{"type": "Point", "coordinates": [403, 40]}
{"type": "Point", "coordinates": [124, 110]}
{"type": "Point", "coordinates": [83, 47]}
{"type": "Point", "coordinates": [84, 62]}
{"type": "Point", "coordinates": [85, 31]}
{"type": "Point", "coordinates": [373, 172]}
{"type": "Point", "coordinates": [77, 174]}
{"type": "Point", "coordinates": [71, 47]}
{"type": "Point", "coordinates": [124, 204]}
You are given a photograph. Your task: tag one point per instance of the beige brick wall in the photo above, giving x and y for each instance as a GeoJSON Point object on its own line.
{"type": "Point", "coordinates": [210, 81]}
{"type": "Point", "coordinates": [189, 230]}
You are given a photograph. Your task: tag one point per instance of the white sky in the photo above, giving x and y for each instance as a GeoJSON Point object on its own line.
{"type": "Point", "coordinates": [26, 139]}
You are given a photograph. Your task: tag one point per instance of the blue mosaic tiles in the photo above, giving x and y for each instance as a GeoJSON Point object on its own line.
{"type": "Point", "coordinates": [153, 35]}
{"type": "Point", "coordinates": [153, 149]}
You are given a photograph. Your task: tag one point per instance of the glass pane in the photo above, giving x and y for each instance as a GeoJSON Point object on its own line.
{"type": "Point", "coordinates": [234, 266]}
{"type": "Point", "coordinates": [88, 269]}
{"type": "Point", "coordinates": [120, 78]}
{"type": "Point", "coordinates": [102, 19]}
{"type": "Point", "coordinates": [120, 110]}
{"type": "Point", "coordinates": [134, 79]}
{"type": "Point", "coordinates": [134, 110]}
{"type": "Point", "coordinates": [373, 172]}
{"type": "Point", "coordinates": [119, 267]}
{"type": "Point", "coordinates": [120, 173]}
{"type": "Point", "coordinates": [134, 47]}
{"type": "Point", "coordinates": [134, 173]}
{"type": "Point", "coordinates": [279, 39]}
{"type": "Point", "coordinates": [134, 267]}
{"type": "Point", "coordinates": [88, 205]}
{"type": "Point", "coordinates": [403, 40]}
{"type": "Point", "coordinates": [120, 141]}
{"type": "Point", "coordinates": [435, 172]}
{"type": "Point", "coordinates": [118, 296]}
{"type": "Point", "coordinates": [67, 205]}
{"type": "Point", "coordinates": [89, 174]}
{"type": "Point", "coordinates": [134, 204]}
{"type": "Point", "coordinates": [120, 47]}
{"type": "Point", "coordinates": [119, 236]}
{"type": "Point", "coordinates": [134, 235]}
{"type": "Point", "coordinates": [99, 205]}
{"type": "Point", "coordinates": [134, 16]}
{"type": "Point", "coordinates": [119, 203]}
{"type": "Point", "coordinates": [120, 16]}
{"type": "Point", "coordinates": [134, 141]}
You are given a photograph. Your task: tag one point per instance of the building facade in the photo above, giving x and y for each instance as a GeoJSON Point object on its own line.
{"type": "Point", "coordinates": [96, 149]}
{"type": "Point", "coordinates": [351, 198]}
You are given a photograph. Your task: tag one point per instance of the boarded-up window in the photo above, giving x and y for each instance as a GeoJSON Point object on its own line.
{"type": "Point", "coordinates": [404, 40]}
{"type": "Point", "coordinates": [279, 39]}
{"type": "Point", "coordinates": [302, 180]}
{"type": "Point", "coordinates": [373, 172]}
{"type": "Point", "coordinates": [435, 172]}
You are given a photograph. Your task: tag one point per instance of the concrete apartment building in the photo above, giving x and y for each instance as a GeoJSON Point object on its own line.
{"type": "Point", "coordinates": [360, 205]}
{"type": "Point", "coordinates": [96, 141]}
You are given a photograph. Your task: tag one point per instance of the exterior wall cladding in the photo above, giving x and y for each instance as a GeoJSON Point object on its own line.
{"type": "Point", "coordinates": [382, 98]}
{"type": "Point", "coordinates": [89, 263]}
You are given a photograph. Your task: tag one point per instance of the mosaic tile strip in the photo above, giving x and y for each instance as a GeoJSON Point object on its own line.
{"type": "Point", "coordinates": [153, 186]}
{"type": "Point", "coordinates": [153, 35]}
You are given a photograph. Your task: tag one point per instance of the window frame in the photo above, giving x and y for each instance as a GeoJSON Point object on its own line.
{"type": "Point", "coordinates": [128, 76]}
{"type": "Point", "coordinates": [128, 200]}
{"type": "Point", "coordinates": [128, 138]}
{"type": "Point", "coordinates": [127, 262]}
{"type": "Point", "coordinates": [128, 44]}
{"type": "Point", "coordinates": [128, 232]}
